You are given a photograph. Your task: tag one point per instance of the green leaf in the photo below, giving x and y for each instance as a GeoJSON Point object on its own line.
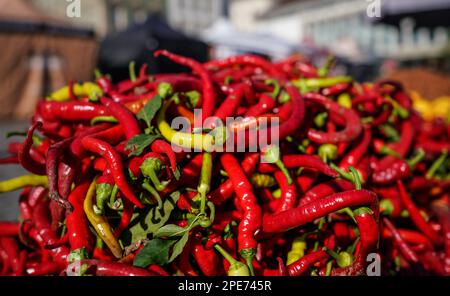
{"type": "Point", "coordinates": [149, 220]}
{"type": "Point", "coordinates": [179, 246]}
{"type": "Point", "coordinates": [155, 251]}
{"type": "Point", "coordinates": [138, 143]}
{"type": "Point", "coordinates": [150, 109]}
{"type": "Point", "coordinates": [170, 230]}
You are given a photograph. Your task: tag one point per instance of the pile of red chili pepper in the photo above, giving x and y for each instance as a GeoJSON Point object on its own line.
{"type": "Point", "coordinates": [358, 185]}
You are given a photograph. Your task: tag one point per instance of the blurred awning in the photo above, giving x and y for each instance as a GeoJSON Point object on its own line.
{"type": "Point", "coordinates": [222, 34]}
{"type": "Point", "coordinates": [426, 13]}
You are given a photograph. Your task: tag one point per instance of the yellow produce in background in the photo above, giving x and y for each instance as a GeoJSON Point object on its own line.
{"type": "Point", "coordinates": [439, 107]}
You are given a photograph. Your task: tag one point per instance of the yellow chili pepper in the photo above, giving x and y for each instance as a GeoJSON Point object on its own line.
{"type": "Point", "coordinates": [263, 180]}
{"type": "Point", "coordinates": [100, 223]}
{"type": "Point", "coordinates": [297, 250]}
{"type": "Point", "coordinates": [89, 89]}
{"type": "Point", "coordinates": [23, 181]}
{"type": "Point", "coordinates": [204, 142]}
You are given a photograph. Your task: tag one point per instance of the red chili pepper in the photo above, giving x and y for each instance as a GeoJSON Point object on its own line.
{"type": "Point", "coordinates": [281, 222]}
{"type": "Point", "coordinates": [251, 221]}
{"type": "Point", "coordinates": [53, 160]}
{"type": "Point", "coordinates": [125, 117]}
{"type": "Point", "coordinates": [417, 217]}
{"type": "Point", "coordinates": [357, 153]}
{"type": "Point", "coordinates": [301, 265]}
{"type": "Point", "coordinates": [305, 161]}
{"type": "Point", "coordinates": [367, 223]}
{"type": "Point", "coordinates": [208, 87]}
{"type": "Point", "coordinates": [251, 60]}
{"type": "Point", "coordinates": [10, 245]}
{"type": "Point", "coordinates": [127, 214]}
{"type": "Point", "coordinates": [162, 147]}
{"type": "Point", "coordinates": [70, 111]}
{"type": "Point", "coordinates": [306, 179]}
{"type": "Point", "coordinates": [207, 260]}
{"type": "Point", "coordinates": [325, 189]}
{"type": "Point", "coordinates": [407, 252]}
{"type": "Point", "coordinates": [288, 199]}
{"type": "Point", "coordinates": [295, 120]}
{"type": "Point", "coordinates": [231, 103]}
{"type": "Point", "coordinates": [397, 171]}
{"type": "Point", "coordinates": [44, 268]}
{"type": "Point", "coordinates": [9, 228]}
{"type": "Point", "coordinates": [410, 236]}
{"type": "Point", "coordinates": [80, 236]}
{"type": "Point", "coordinates": [105, 150]}
{"type": "Point", "coordinates": [43, 228]}
{"type": "Point", "coordinates": [184, 262]}
{"type": "Point", "coordinates": [352, 129]}
{"type": "Point", "coordinates": [25, 159]}
{"type": "Point", "coordinates": [442, 211]}
{"type": "Point", "coordinates": [226, 190]}
{"type": "Point", "coordinates": [103, 268]}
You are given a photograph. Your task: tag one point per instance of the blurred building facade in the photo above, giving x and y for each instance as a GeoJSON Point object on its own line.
{"type": "Point", "coordinates": [104, 16]}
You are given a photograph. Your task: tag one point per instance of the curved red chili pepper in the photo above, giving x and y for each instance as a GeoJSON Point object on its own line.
{"type": "Point", "coordinates": [208, 87]}
{"type": "Point", "coordinates": [226, 190]}
{"type": "Point", "coordinates": [288, 199]}
{"type": "Point", "coordinates": [162, 147]}
{"type": "Point", "coordinates": [325, 189]}
{"type": "Point", "coordinates": [295, 120]}
{"type": "Point", "coordinates": [352, 129]}
{"type": "Point", "coordinates": [397, 171]}
{"type": "Point", "coordinates": [283, 221]}
{"type": "Point", "coordinates": [53, 160]}
{"type": "Point", "coordinates": [301, 265]}
{"type": "Point", "coordinates": [305, 161]}
{"type": "Point", "coordinates": [43, 228]}
{"type": "Point", "coordinates": [125, 117]}
{"type": "Point", "coordinates": [247, 59]}
{"type": "Point", "coordinates": [105, 150]}
{"type": "Point", "coordinates": [369, 235]}
{"type": "Point", "coordinates": [417, 217]}
{"type": "Point", "coordinates": [356, 154]}
{"type": "Point", "coordinates": [25, 159]}
{"type": "Point", "coordinates": [230, 104]}
{"type": "Point", "coordinates": [244, 192]}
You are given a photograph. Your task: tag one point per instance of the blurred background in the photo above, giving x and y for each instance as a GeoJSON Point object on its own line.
{"type": "Point", "coordinates": [44, 44]}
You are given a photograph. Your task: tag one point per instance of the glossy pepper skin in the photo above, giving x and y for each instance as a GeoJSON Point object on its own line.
{"type": "Point", "coordinates": [251, 221]}
{"type": "Point", "coordinates": [105, 150]}
{"type": "Point", "coordinates": [281, 222]}
{"type": "Point", "coordinates": [80, 236]}
{"type": "Point", "coordinates": [351, 131]}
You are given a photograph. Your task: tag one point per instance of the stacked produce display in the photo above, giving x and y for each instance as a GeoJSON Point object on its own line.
{"type": "Point", "coordinates": [347, 178]}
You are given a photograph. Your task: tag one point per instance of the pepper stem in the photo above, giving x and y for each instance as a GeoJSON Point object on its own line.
{"type": "Point", "coordinates": [436, 165]}
{"type": "Point", "coordinates": [150, 168]}
{"type": "Point", "coordinates": [416, 158]}
{"type": "Point", "coordinates": [132, 70]}
{"type": "Point", "coordinates": [237, 268]}
{"type": "Point", "coordinates": [248, 255]}
{"type": "Point", "coordinates": [205, 180]}
{"type": "Point", "coordinates": [154, 193]}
